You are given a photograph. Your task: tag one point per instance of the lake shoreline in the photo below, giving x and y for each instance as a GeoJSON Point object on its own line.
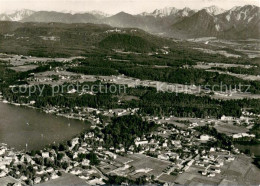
{"type": "Point", "coordinates": [31, 126]}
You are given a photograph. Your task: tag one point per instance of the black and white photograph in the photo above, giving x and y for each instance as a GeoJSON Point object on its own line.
{"type": "Point", "coordinates": [129, 92]}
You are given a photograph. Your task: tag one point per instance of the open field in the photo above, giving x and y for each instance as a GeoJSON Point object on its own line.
{"type": "Point", "coordinates": [167, 178]}
{"type": "Point", "coordinates": [145, 162]}
{"type": "Point", "coordinates": [220, 65]}
{"type": "Point", "coordinates": [65, 179]}
{"type": "Point", "coordinates": [142, 165]}
{"type": "Point", "coordinates": [230, 129]}
{"type": "Point", "coordinates": [19, 60]}
{"type": "Point", "coordinates": [221, 52]}
{"type": "Point", "coordinates": [43, 78]}
{"type": "Point", "coordinates": [8, 180]}
{"type": "Point", "coordinates": [241, 76]}
{"type": "Point", "coordinates": [240, 171]}
{"type": "Point", "coordinates": [249, 47]}
{"type": "Point", "coordinates": [24, 68]}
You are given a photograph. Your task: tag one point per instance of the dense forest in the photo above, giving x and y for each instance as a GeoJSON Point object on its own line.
{"type": "Point", "coordinates": [222, 140]}
{"type": "Point", "coordinates": [123, 130]}
{"type": "Point", "coordinates": [165, 69]}
{"type": "Point", "coordinates": [176, 67]}
{"type": "Point", "coordinates": [149, 100]}
{"type": "Point", "coordinates": [128, 43]}
{"type": "Point", "coordinates": [184, 105]}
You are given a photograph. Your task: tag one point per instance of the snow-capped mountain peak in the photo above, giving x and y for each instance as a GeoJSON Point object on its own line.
{"type": "Point", "coordinates": [184, 12]}
{"type": "Point", "coordinates": [71, 12]}
{"type": "Point", "coordinates": [235, 8]}
{"type": "Point", "coordinates": [99, 13]}
{"type": "Point", "coordinates": [214, 10]}
{"type": "Point", "coordinates": [245, 14]}
{"type": "Point", "coordinates": [167, 11]}
{"type": "Point", "coordinates": [17, 15]}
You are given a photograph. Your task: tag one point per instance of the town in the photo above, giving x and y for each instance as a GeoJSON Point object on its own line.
{"type": "Point", "coordinates": [177, 151]}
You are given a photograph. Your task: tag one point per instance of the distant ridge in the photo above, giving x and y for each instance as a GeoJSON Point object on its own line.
{"type": "Point", "coordinates": [238, 22]}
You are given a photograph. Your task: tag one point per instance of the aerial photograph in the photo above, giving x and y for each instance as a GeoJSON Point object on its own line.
{"type": "Point", "coordinates": [129, 92]}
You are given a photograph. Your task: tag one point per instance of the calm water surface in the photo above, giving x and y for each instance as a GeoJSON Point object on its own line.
{"type": "Point", "coordinates": [20, 126]}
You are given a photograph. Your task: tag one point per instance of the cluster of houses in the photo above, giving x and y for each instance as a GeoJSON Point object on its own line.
{"type": "Point", "coordinates": [48, 164]}
{"type": "Point", "coordinates": [181, 147]}
{"type": "Point", "coordinates": [213, 164]}
{"type": "Point", "coordinates": [88, 113]}
{"type": "Point", "coordinates": [24, 167]}
{"type": "Point", "coordinates": [242, 135]}
{"type": "Point", "coordinates": [116, 30]}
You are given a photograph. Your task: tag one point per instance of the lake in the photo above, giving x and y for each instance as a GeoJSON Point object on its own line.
{"type": "Point", "coordinates": [20, 126]}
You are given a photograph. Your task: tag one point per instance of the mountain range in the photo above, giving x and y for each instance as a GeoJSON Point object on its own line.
{"type": "Point", "coordinates": [18, 15]}
{"type": "Point", "coordinates": [236, 23]}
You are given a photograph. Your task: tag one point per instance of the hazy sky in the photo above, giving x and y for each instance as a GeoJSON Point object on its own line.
{"type": "Point", "coordinates": [115, 6]}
